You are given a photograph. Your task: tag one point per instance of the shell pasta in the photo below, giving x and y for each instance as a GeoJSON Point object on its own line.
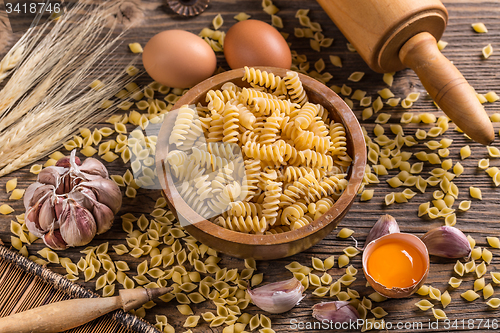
{"type": "Point", "coordinates": [260, 159]}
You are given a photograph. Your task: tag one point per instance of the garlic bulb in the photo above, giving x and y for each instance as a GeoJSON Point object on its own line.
{"type": "Point", "coordinates": [278, 297]}
{"type": "Point", "coordinates": [71, 202]}
{"type": "Point", "coordinates": [336, 311]}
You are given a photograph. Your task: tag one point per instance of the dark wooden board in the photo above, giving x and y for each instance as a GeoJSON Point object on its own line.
{"type": "Point", "coordinates": [464, 49]}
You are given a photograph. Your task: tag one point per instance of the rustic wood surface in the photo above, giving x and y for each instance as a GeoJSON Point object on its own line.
{"type": "Point", "coordinates": [464, 49]}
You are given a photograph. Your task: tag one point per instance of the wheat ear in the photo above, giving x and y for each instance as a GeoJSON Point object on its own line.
{"type": "Point", "coordinates": [79, 42]}
{"type": "Point", "coordinates": [43, 51]}
{"type": "Point", "coordinates": [33, 154]}
{"type": "Point", "coordinates": [70, 104]}
{"type": "Point", "coordinates": [82, 112]}
{"type": "Point", "coordinates": [10, 61]}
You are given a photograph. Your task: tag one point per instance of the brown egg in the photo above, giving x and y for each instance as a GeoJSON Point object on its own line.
{"type": "Point", "coordinates": [256, 43]}
{"type": "Point", "coordinates": [178, 59]}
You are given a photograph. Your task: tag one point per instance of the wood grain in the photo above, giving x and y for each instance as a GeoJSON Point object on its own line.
{"type": "Point", "coordinates": [378, 29]}
{"type": "Point", "coordinates": [481, 220]}
{"type": "Point", "coordinates": [447, 87]}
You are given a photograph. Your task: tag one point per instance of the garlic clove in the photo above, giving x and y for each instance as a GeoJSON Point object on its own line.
{"type": "Point", "coordinates": [51, 175]}
{"type": "Point", "coordinates": [65, 184]}
{"type": "Point", "coordinates": [40, 192]}
{"type": "Point", "coordinates": [46, 215]}
{"type": "Point", "coordinates": [38, 217]}
{"type": "Point", "coordinates": [77, 225]}
{"type": "Point", "coordinates": [385, 225]}
{"type": "Point", "coordinates": [87, 192]}
{"type": "Point", "coordinates": [31, 220]}
{"type": "Point", "coordinates": [278, 297]}
{"type": "Point", "coordinates": [58, 206]}
{"type": "Point", "coordinates": [94, 169]}
{"type": "Point", "coordinates": [106, 192]}
{"type": "Point", "coordinates": [84, 196]}
{"type": "Point", "coordinates": [103, 216]}
{"type": "Point", "coordinates": [447, 242]}
{"type": "Point", "coordinates": [336, 311]}
{"type": "Point", "coordinates": [54, 240]}
{"type": "Point", "coordinates": [28, 194]}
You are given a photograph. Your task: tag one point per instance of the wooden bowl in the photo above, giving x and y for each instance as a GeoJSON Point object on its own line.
{"type": "Point", "coordinates": [265, 247]}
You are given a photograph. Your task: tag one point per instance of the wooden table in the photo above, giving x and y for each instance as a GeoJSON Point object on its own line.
{"type": "Point", "coordinates": [464, 49]}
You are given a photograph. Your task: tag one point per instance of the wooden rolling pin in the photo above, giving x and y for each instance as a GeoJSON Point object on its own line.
{"type": "Point", "coordinates": [391, 35]}
{"type": "Point", "coordinates": [65, 315]}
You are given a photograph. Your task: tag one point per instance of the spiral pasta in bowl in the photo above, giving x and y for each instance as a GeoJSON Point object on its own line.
{"type": "Point", "coordinates": [260, 162]}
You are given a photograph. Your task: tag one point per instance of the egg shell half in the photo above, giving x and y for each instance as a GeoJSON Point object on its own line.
{"type": "Point", "coordinates": [411, 240]}
{"type": "Point", "coordinates": [178, 59]}
{"type": "Point", "coordinates": [255, 43]}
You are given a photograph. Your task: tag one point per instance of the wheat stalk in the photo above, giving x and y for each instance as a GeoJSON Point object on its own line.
{"type": "Point", "coordinates": [14, 137]}
{"type": "Point", "coordinates": [32, 153]}
{"type": "Point", "coordinates": [77, 43]}
{"type": "Point", "coordinates": [25, 105]}
{"type": "Point", "coordinates": [52, 131]}
{"type": "Point", "coordinates": [42, 120]}
{"type": "Point", "coordinates": [50, 116]}
{"type": "Point", "coordinates": [23, 56]}
{"type": "Point", "coordinates": [22, 48]}
{"type": "Point", "coordinates": [74, 32]}
{"type": "Point", "coordinates": [10, 61]}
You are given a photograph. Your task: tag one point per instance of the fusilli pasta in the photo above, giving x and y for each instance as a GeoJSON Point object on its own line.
{"type": "Point", "coordinates": [306, 115]}
{"type": "Point", "coordinates": [264, 79]}
{"type": "Point", "coordinates": [271, 202]}
{"type": "Point", "coordinates": [261, 160]}
{"type": "Point", "coordinates": [230, 124]}
{"type": "Point", "coordinates": [183, 123]}
{"type": "Point", "coordinates": [295, 88]}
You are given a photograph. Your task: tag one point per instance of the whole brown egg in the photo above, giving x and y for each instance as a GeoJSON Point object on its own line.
{"type": "Point", "coordinates": [256, 43]}
{"type": "Point", "coordinates": [178, 59]}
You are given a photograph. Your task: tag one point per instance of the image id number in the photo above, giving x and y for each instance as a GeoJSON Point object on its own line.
{"type": "Point", "coordinates": [32, 8]}
{"type": "Point", "coordinates": [471, 324]}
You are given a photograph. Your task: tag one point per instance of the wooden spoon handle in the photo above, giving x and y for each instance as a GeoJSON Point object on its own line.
{"type": "Point", "coordinates": [447, 87]}
{"type": "Point", "coordinates": [65, 315]}
{"type": "Point", "coordinates": [60, 316]}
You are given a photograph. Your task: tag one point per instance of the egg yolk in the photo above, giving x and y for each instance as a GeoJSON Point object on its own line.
{"type": "Point", "coordinates": [396, 264]}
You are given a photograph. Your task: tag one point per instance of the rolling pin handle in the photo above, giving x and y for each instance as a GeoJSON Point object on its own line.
{"type": "Point", "coordinates": [60, 316]}
{"type": "Point", "coordinates": [65, 315]}
{"type": "Point", "coordinates": [447, 86]}
{"type": "Point", "coordinates": [134, 298]}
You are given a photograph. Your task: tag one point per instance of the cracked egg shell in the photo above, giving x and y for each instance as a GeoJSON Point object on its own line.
{"type": "Point", "coordinates": [396, 265]}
